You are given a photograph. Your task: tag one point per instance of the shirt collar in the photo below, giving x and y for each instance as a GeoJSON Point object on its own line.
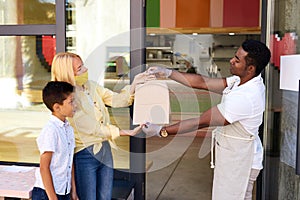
{"type": "Point", "coordinates": [57, 121]}
{"type": "Point", "coordinates": [254, 79]}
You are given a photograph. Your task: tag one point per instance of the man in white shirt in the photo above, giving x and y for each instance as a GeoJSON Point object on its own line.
{"type": "Point", "coordinates": [239, 151]}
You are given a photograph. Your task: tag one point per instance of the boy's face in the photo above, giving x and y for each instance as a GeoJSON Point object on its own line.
{"type": "Point", "coordinates": [68, 108]}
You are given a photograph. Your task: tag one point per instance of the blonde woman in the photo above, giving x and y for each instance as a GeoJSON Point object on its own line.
{"type": "Point", "coordinates": [94, 134]}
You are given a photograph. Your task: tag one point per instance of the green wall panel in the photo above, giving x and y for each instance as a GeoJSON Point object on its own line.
{"type": "Point", "coordinates": [152, 13]}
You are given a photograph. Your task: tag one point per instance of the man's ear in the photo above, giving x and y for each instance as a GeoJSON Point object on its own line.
{"type": "Point", "coordinates": [251, 69]}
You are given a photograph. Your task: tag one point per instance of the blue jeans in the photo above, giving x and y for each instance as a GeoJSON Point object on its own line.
{"type": "Point", "coordinates": [94, 173]}
{"type": "Point", "coordinates": [40, 194]}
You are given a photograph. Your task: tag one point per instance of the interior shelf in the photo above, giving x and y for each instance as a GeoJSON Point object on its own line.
{"type": "Point", "coordinates": [204, 30]}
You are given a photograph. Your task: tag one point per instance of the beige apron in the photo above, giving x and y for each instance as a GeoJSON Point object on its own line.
{"type": "Point", "coordinates": [234, 149]}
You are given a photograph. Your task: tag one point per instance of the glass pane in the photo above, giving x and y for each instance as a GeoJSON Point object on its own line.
{"type": "Point", "coordinates": [209, 55]}
{"type": "Point", "coordinates": [17, 12]}
{"type": "Point", "coordinates": [104, 45]}
{"type": "Point", "coordinates": [280, 180]}
{"type": "Point", "coordinates": [24, 70]}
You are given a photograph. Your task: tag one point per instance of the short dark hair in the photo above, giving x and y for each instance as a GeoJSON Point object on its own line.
{"type": "Point", "coordinates": [56, 92]}
{"type": "Point", "coordinates": [258, 54]}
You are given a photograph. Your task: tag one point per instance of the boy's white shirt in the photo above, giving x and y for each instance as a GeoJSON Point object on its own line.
{"type": "Point", "coordinates": [57, 137]}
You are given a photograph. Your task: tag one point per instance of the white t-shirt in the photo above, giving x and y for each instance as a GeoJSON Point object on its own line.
{"type": "Point", "coordinates": [245, 104]}
{"type": "Point", "coordinates": [57, 137]}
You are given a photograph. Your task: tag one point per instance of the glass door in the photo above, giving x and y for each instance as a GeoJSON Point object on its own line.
{"type": "Point", "coordinates": [28, 44]}
{"type": "Point", "coordinates": [99, 31]}
{"type": "Point", "coordinates": [108, 36]}
{"type": "Point", "coordinates": [280, 180]}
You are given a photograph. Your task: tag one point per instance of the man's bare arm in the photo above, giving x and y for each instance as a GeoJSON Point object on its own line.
{"type": "Point", "coordinates": [211, 117]}
{"type": "Point", "coordinates": [198, 81]}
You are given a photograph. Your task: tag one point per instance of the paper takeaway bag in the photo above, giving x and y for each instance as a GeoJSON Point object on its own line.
{"type": "Point", "coordinates": [151, 103]}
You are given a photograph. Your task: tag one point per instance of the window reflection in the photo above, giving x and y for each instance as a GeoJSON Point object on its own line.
{"type": "Point", "coordinates": [95, 30]}
{"type": "Point", "coordinates": [24, 70]}
{"type": "Point", "coordinates": [99, 32]}
{"type": "Point", "coordinates": [27, 12]}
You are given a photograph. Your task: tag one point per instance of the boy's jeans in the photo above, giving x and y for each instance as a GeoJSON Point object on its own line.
{"type": "Point", "coordinates": [40, 194]}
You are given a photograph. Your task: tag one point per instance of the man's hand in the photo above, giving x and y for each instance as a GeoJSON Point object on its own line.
{"type": "Point", "coordinates": [159, 72]}
{"type": "Point", "coordinates": [151, 129]}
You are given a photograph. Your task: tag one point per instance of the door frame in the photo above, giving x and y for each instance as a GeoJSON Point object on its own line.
{"type": "Point", "coordinates": [137, 58]}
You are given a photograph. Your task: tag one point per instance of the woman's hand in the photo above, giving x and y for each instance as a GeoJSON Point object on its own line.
{"type": "Point", "coordinates": [133, 132]}
{"type": "Point", "coordinates": [74, 195]}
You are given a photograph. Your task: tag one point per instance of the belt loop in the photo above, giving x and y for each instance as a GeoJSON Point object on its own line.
{"type": "Point", "coordinates": [212, 165]}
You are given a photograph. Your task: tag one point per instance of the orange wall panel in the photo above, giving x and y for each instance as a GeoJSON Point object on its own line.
{"type": "Point", "coordinates": [167, 13]}
{"type": "Point", "coordinates": [216, 13]}
{"type": "Point", "coordinates": [192, 13]}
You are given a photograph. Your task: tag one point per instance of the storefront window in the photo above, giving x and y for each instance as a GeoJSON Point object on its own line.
{"type": "Point", "coordinates": [24, 70]}
{"type": "Point", "coordinates": [17, 12]}
{"type": "Point", "coordinates": [99, 31]}
{"type": "Point", "coordinates": [209, 55]}
{"type": "Point", "coordinates": [103, 44]}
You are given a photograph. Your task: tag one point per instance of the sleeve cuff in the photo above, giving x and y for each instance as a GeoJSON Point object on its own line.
{"type": "Point", "coordinates": [115, 132]}
{"type": "Point", "coordinates": [126, 89]}
{"type": "Point", "coordinates": [131, 99]}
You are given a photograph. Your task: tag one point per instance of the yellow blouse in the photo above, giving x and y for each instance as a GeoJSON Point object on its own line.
{"type": "Point", "coordinates": [91, 121]}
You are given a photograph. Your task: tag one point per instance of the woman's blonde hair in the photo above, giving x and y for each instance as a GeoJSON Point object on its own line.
{"type": "Point", "coordinates": [62, 67]}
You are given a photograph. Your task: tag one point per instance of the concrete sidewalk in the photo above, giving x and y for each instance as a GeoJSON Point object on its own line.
{"type": "Point", "coordinates": [188, 177]}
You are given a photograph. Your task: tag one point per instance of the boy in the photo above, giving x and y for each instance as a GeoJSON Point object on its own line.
{"type": "Point", "coordinates": [56, 144]}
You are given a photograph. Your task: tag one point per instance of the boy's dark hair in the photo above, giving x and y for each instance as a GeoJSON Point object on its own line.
{"type": "Point", "coordinates": [258, 54]}
{"type": "Point", "coordinates": [56, 92]}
